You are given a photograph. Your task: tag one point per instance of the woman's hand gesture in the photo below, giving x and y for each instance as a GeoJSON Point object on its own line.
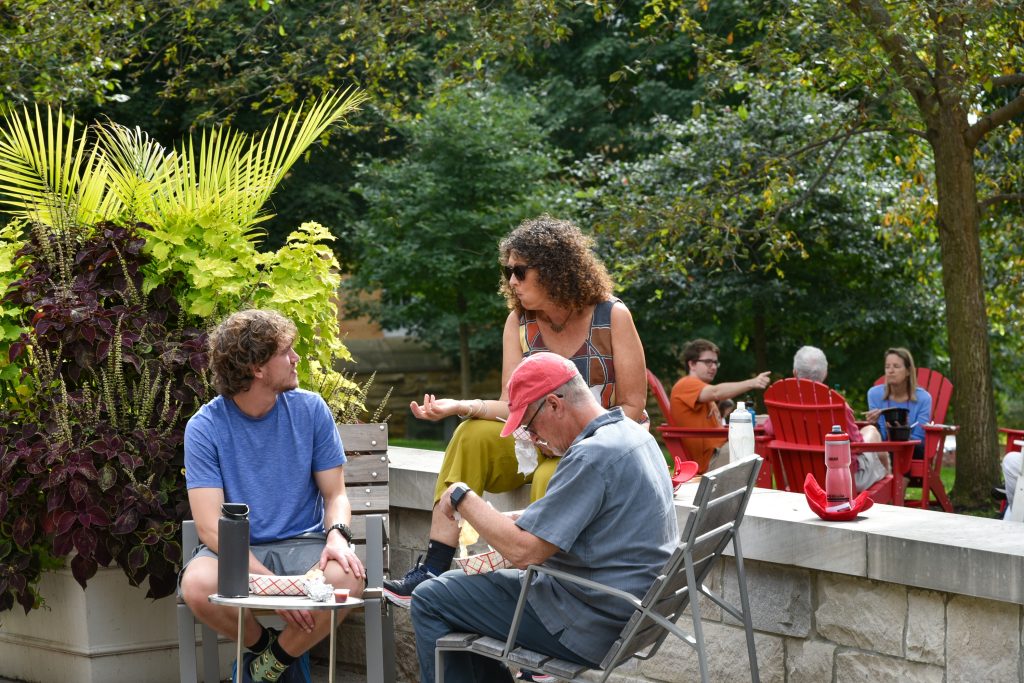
{"type": "Point", "coordinates": [435, 409]}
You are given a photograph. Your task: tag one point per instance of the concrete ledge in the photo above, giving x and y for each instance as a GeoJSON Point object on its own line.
{"type": "Point", "coordinates": [413, 475]}
{"type": "Point", "coordinates": [957, 554]}
{"type": "Point", "coordinates": [939, 551]}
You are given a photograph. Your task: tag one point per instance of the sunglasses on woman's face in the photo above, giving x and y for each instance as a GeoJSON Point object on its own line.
{"type": "Point", "coordinates": [519, 271]}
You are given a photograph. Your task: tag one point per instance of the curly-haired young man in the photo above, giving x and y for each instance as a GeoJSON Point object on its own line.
{"type": "Point", "coordinates": [266, 443]}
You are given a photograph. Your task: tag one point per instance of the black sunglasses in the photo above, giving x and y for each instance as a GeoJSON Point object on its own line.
{"type": "Point", "coordinates": [519, 271]}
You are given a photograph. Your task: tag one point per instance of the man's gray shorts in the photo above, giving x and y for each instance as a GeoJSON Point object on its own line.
{"type": "Point", "coordinates": [290, 557]}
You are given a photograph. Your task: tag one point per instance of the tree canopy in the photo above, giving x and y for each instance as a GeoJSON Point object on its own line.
{"type": "Point", "coordinates": [475, 163]}
{"type": "Point", "coordinates": [736, 157]}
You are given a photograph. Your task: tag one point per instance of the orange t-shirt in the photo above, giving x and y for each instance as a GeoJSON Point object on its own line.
{"type": "Point", "coordinates": [687, 412]}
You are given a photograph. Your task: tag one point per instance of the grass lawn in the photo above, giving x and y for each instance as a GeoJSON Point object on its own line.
{"type": "Point", "coordinates": [948, 476]}
{"type": "Point", "coordinates": [425, 444]}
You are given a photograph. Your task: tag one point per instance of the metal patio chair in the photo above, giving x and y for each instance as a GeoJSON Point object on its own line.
{"type": "Point", "coordinates": [711, 527]}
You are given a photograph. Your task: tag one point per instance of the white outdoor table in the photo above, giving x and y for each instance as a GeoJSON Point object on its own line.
{"type": "Point", "coordinates": [276, 602]}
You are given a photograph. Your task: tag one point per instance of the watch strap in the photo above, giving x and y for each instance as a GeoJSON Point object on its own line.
{"type": "Point", "coordinates": [343, 528]}
{"type": "Point", "coordinates": [458, 494]}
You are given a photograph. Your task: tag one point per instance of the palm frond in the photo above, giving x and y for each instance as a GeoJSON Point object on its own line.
{"type": "Point", "coordinates": [47, 176]}
{"type": "Point", "coordinates": [138, 167]}
{"type": "Point", "coordinates": [237, 173]}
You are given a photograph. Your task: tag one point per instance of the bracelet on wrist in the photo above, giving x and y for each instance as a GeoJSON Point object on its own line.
{"type": "Point", "coordinates": [475, 408]}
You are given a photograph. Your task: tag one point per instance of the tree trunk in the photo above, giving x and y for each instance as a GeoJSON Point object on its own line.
{"type": "Point", "coordinates": [977, 461]}
{"type": "Point", "coordinates": [464, 359]}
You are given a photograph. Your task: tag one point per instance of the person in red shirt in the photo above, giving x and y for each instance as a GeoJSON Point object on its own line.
{"type": "Point", "coordinates": [695, 401]}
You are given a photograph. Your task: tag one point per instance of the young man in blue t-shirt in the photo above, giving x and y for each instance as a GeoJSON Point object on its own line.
{"type": "Point", "coordinates": [266, 443]}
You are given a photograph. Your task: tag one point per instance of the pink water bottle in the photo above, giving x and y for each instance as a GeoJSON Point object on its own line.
{"type": "Point", "coordinates": [838, 480]}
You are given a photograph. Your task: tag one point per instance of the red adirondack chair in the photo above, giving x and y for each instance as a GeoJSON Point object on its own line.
{"type": "Point", "coordinates": [672, 441]}
{"type": "Point", "coordinates": [673, 435]}
{"type": "Point", "coordinates": [802, 413]}
{"type": "Point", "coordinates": [1012, 437]}
{"type": "Point", "coordinates": [927, 471]}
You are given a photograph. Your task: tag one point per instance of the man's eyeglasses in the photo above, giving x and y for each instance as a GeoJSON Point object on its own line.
{"type": "Point", "coordinates": [710, 362]}
{"type": "Point", "coordinates": [524, 433]}
{"type": "Point", "coordinates": [519, 271]}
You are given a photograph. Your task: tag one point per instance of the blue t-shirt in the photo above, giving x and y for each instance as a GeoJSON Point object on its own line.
{"type": "Point", "coordinates": [267, 462]}
{"type": "Point", "coordinates": [919, 411]}
{"type": "Point", "coordinates": [609, 510]}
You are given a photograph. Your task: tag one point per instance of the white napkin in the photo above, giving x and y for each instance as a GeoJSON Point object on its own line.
{"type": "Point", "coordinates": [526, 456]}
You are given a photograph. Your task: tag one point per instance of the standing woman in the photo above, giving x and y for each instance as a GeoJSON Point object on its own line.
{"type": "Point", "coordinates": [900, 390]}
{"type": "Point", "coordinates": [560, 300]}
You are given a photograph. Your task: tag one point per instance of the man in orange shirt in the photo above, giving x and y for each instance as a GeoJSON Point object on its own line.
{"type": "Point", "coordinates": [695, 400]}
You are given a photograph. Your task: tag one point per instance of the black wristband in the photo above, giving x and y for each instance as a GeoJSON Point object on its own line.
{"type": "Point", "coordinates": [346, 533]}
{"type": "Point", "coordinates": [458, 494]}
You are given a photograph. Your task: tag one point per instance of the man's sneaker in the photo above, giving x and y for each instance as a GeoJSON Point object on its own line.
{"type": "Point", "coordinates": [298, 672]}
{"type": "Point", "coordinates": [399, 591]}
{"type": "Point", "coordinates": [526, 675]}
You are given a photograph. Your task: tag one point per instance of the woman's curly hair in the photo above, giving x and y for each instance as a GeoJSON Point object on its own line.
{"type": "Point", "coordinates": [245, 340]}
{"type": "Point", "coordinates": [563, 259]}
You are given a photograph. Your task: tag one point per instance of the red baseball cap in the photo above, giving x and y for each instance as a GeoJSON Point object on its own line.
{"type": "Point", "coordinates": [537, 376]}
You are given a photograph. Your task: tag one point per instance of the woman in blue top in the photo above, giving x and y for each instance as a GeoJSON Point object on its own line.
{"type": "Point", "coordinates": [900, 390]}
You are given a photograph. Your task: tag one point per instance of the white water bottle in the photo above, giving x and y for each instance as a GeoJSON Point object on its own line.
{"type": "Point", "coordinates": [741, 433]}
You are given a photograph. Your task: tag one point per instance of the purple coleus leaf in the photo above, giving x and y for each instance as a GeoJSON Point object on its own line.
{"type": "Point", "coordinates": [137, 558]}
{"type": "Point", "coordinates": [23, 529]}
{"type": "Point", "coordinates": [126, 522]}
{"type": "Point", "coordinates": [85, 542]}
{"type": "Point", "coordinates": [83, 568]}
{"type": "Point", "coordinates": [21, 486]}
{"type": "Point", "coordinates": [66, 520]}
{"type": "Point", "coordinates": [107, 478]}
{"type": "Point", "coordinates": [78, 490]}
{"type": "Point", "coordinates": [95, 516]}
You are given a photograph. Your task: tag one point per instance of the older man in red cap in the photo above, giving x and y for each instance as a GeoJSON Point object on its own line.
{"type": "Point", "coordinates": [607, 516]}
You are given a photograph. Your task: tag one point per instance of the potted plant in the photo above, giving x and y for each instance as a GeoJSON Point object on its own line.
{"type": "Point", "coordinates": [121, 255]}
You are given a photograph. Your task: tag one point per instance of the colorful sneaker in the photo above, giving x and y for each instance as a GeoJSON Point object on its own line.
{"type": "Point", "coordinates": [298, 672]}
{"type": "Point", "coordinates": [399, 591]}
{"type": "Point", "coordinates": [527, 675]}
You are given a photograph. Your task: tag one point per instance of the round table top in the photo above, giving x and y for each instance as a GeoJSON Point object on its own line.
{"type": "Point", "coordinates": [282, 602]}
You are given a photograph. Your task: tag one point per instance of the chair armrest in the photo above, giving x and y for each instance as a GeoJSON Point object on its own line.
{"type": "Point", "coordinates": [1012, 437]}
{"type": "Point", "coordinates": [935, 428]}
{"type": "Point", "coordinates": [513, 631]}
{"type": "Point", "coordinates": [628, 597]}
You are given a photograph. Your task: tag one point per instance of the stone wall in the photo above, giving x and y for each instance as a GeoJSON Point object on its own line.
{"type": "Point", "coordinates": [812, 627]}
{"type": "Point", "coordinates": [820, 610]}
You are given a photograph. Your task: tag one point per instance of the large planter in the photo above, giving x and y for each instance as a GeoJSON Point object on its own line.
{"type": "Point", "coordinates": [110, 633]}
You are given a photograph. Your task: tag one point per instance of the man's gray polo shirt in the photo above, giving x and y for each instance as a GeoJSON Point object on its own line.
{"type": "Point", "coordinates": [609, 510]}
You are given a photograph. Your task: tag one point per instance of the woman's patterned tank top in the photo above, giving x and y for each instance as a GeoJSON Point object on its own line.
{"type": "Point", "coordinates": [594, 357]}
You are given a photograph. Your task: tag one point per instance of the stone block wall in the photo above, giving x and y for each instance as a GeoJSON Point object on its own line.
{"type": "Point", "coordinates": [899, 595]}
{"type": "Point", "coordinates": [810, 627]}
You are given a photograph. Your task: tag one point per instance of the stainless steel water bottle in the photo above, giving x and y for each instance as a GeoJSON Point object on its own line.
{"type": "Point", "coordinates": [233, 554]}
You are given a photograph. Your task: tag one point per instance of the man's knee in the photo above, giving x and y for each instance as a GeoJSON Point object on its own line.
{"type": "Point", "coordinates": [339, 578]}
{"type": "Point", "coordinates": [196, 583]}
